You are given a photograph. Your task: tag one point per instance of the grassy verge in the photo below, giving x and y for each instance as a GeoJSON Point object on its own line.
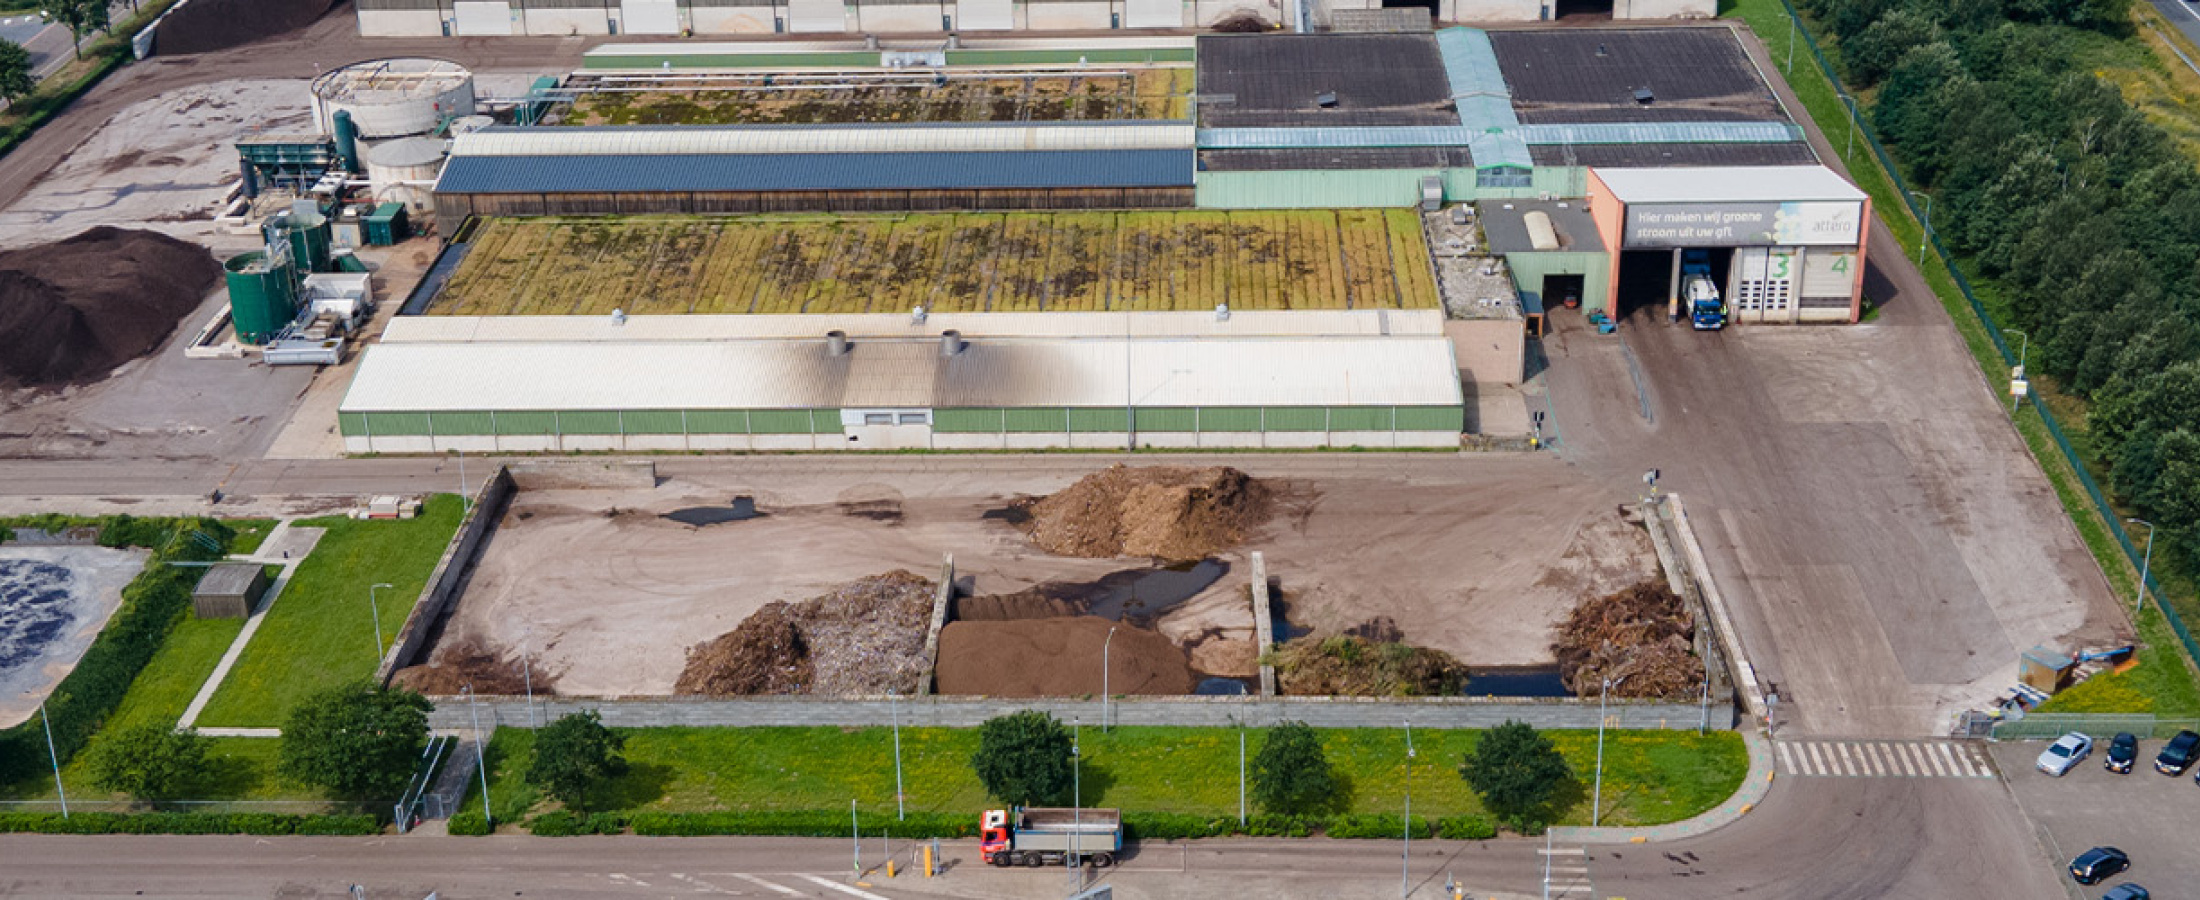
{"type": "Point", "coordinates": [319, 633]}
{"type": "Point", "coordinates": [251, 533]}
{"type": "Point", "coordinates": [2165, 688]}
{"type": "Point", "coordinates": [165, 687]}
{"type": "Point", "coordinates": [242, 769]}
{"type": "Point", "coordinates": [1650, 777]}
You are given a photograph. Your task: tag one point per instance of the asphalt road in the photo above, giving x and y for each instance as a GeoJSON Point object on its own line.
{"type": "Point", "coordinates": [2185, 14]}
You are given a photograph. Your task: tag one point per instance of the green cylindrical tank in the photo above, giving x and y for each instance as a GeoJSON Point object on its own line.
{"type": "Point", "coordinates": [309, 239]}
{"type": "Point", "coordinates": [262, 297]}
{"type": "Point", "coordinates": [347, 142]}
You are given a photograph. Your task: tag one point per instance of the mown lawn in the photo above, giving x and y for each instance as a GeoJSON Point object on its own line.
{"type": "Point", "coordinates": [1650, 777]}
{"type": "Point", "coordinates": [319, 633]}
{"type": "Point", "coordinates": [250, 534]}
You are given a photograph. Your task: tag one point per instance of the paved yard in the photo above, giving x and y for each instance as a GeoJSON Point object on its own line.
{"type": "Point", "coordinates": [2153, 817]}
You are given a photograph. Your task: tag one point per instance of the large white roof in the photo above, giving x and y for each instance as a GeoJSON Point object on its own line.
{"type": "Point", "coordinates": [1729, 184]}
{"type": "Point", "coordinates": [888, 372]}
{"type": "Point", "coordinates": [734, 139]}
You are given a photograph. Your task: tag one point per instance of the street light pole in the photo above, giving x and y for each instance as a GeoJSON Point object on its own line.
{"type": "Point", "coordinates": [1596, 804]}
{"type": "Point", "coordinates": [1405, 852]}
{"type": "Point", "coordinates": [55, 758]}
{"type": "Point", "coordinates": [374, 610]}
{"type": "Point", "coordinates": [855, 841]}
{"type": "Point", "coordinates": [1104, 719]}
{"type": "Point", "coordinates": [2144, 567]}
{"type": "Point", "coordinates": [480, 763]}
{"type": "Point", "coordinates": [1925, 224]}
{"type": "Point", "coordinates": [1077, 801]}
{"type": "Point", "coordinates": [901, 811]}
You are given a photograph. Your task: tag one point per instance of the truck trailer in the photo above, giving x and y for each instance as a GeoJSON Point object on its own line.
{"type": "Point", "coordinates": [1036, 836]}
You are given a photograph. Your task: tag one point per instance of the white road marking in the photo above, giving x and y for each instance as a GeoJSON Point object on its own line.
{"type": "Point", "coordinates": [759, 882]}
{"type": "Point", "coordinates": [865, 895]}
{"type": "Point", "coordinates": [1881, 759]}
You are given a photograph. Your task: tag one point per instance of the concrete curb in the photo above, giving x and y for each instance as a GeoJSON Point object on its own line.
{"type": "Point", "coordinates": [1744, 674]}
{"type": "Point", "coordinates": [1752, 792]}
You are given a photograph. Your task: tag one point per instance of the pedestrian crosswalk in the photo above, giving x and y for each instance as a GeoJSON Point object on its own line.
{"type": "Point", "coordinates": [1883, 759]}
{"type": "Point", "coordinates": [1566, 874]}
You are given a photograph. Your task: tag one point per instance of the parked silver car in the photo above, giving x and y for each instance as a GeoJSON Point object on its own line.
{"type": "Point", "coordinates": [2065, 752]}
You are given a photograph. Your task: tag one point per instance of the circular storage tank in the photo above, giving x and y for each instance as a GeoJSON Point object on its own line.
{"type": "Point", "coordinates": [309, 239]}
{"type": "Point", "coordinates": [405, 170]}
{"type": "Point", "coordinates": [471, 124]}
{"type": "Point", "coordinates": [392, 98]}
{"type": "Point", "coordinates": [262, 296]}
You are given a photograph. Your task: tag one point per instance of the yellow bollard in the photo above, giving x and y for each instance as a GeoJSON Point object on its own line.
{"type": "Point", "coordinates": [928, 862]}
{"type": "Point", "coordinates": [889, 868]}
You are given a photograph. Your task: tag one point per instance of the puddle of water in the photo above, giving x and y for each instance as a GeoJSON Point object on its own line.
{"type": "Point", "coordinates": [1218, 686]}
{"type": "Point", "coordinates": [1141, 593]}
{"type": "Point", "coordinates": [743, 509]}
{"type": "Point", "coordinates": [1013, 515]}
{"type": "Point", "coordinates": [1284, 629]}
{"type": "Point", "coordinates": [1517, 681]}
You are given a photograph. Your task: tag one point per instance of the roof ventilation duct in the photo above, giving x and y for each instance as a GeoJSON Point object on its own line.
{"type": "Point", "coordinates": [951, 342]}
{"type": "Point", "coordinates": [836, 343]}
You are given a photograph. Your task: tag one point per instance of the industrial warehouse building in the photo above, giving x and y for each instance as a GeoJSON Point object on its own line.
{"type": "Point", "coordinates": [488, 18]}
{"type": "Point", "coordinates": [880, 382]}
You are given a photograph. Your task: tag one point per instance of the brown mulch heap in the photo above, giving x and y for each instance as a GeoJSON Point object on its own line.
{"type": "Point", "coordinates": [470, 662]}
{"type": "Point", "coordinates": [203, 25]}
{"type": "Point", "coordinates": [1164, 512]}
{"type": "Point", "coordinates": [70, 312]}
{"type": "Point", "coordinates": [1058, 657]}
{"type": "Point", "coordinates": [1643, 632]}
{"type": "Point", "coordinates": [1348, 665]}
{"type": "Point", "coordinates": [865, 637]}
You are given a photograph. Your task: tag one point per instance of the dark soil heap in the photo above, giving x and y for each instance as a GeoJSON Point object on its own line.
{"type": "Point", "coordinates": [1057, 657]}
{"type": "Point", "coordinates": [204, 25]}
{"type": "Point", "coordinates": [865, 637]}
{"type": "Point", "coordinates": [470, 662]}
{"type": "Point", "coordinates": [1643, 632]}
{"type": "Point", "coordinates": [1164, 512]}
{"type": "Point", "coordinates": [1349, 665]}
{"type": "Point", "coordinates": [70, 312]}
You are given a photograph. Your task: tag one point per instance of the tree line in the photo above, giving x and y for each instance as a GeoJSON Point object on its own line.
{"type": "Point", "coordinates": [2081, 215]}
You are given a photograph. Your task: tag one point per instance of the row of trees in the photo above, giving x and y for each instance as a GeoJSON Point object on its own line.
{"type": "Point", "coordinates": [2065, 201]}
{"type": "Point", "coordinates": [1025, 759]}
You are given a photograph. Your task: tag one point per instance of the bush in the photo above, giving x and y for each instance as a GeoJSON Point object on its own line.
{"type": "Point", "coordinates": [1024, 758]}
{"type": "Point", "coordinates": [574, 754]}
{"type": "Point", "coordinates": [188, 823]}
{"type": "Point", "coordinates": [1378, 826]}
{"type": "Point", "coordinates": [1175, 826]}
{"type": "Point", "coordinates": [468, 824]}
{"type": "Point", "coordinates": [356, 739]}
{"type": "Point", "coordinates": [150, 762]}
{"type": "Point", "coordinates": [560, 823]}
{"type": "Point", "coordinates": [1281, 826]}
{"type": "Point", "coordinates": [1465, 828]}
{"type": "Point", "coordinates": [802, 823]}
{"type": "Point", "coordinates": [1291, 775]}
{"type": "Point", "coordinates": [1518, 773]}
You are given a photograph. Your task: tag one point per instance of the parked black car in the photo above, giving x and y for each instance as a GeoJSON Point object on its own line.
{"type": "Point", "coordinates": [2179, 754]}
{"type": "Point", "coordinates": [2123, 750]}
{"type": "Point", "coordinates": [2098, 864]}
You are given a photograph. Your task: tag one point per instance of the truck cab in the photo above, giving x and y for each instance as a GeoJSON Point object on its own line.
{"type": "Point", "coordinates": [1706, 309]}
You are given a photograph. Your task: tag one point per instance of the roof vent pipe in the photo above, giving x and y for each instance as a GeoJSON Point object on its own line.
{"type": "Point", "coordinates": [916, 315]}
{"type": "Point", "coordinates": [951, 342]}
{"type": "Point", "coordinates": [870, 42]}
{"type": "Point", "coordinates": [836, 343]}
{"type": "Point", "coordinates": [618, 317]}
{"type": "Point", "coordinates": [1601, 51]}
{"type": "Point", "coordinates": [954, 41]}
{"type": "Point", "coordinates": [1222, 312]}
{"type": "Point", "coordinates": [1326, 99]}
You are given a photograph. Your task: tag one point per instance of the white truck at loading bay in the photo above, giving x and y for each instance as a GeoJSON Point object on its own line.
{"type": "Point", "coordinates": [1051, 837]}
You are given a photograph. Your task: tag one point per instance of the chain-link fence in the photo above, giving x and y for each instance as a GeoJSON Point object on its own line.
{"type": "Point", "coordinates": [1993, 332]}
{"type": "Point", "coordinates": [2041, 726]}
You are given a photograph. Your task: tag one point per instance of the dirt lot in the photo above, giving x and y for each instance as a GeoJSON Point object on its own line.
{"type": "Point", "coordinates": [1478, 561]}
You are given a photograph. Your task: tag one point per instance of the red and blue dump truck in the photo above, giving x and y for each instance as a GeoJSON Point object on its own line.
{"type": "Point", "coordinates": [1035, 836]}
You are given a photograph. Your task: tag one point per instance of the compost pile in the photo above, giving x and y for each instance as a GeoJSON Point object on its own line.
{"type": "Point", "coordinates": [1057, 657]}
{"type": "Point", "coordinates": [1165, 512]}
{"type": "Point", "coordinates": [1349, 665]}
{"type": "Point", "coordinates": [203, 25]}
{"type": "Point", "coordinates": [865, 637]}
{"type": "Point", "coordinates": [471, 662]}
{"type": "Point", "coordinates": [1643, 632]}
{"type": "Point", "coordinates": [70, 312]}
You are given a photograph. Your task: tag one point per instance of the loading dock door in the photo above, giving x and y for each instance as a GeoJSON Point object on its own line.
{"type": "Point", "coordinates": [471, 18]}
{"type": "Point", "coordinates": [985, 15]}
{"type": "Point", "coordinates": [816, 15]}
{"type": "Point", "coordinates": [1763, 285]}
{"type": "Point", "coordinates": [1153, 14]}
{"type": "Point", "coordinates": [1829, 272]}
{"type": "Point", "coordinates": [649, 16]}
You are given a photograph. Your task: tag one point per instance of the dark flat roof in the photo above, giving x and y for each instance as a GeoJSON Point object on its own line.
{"type": "Point", "coordinates": [1507, 230]}
{"type": "Point", "coordinates": [1252, 80]}
{"type": "Point", "coordinates": [1267, 160]}
{"type": "Point", "coordinates": [1561, 76]}
{"type": "Point", "coordinates": [587, 173]}
{"type": "Point", "coordinates": [1652, 156]}
{"type": "Point", "coordinates": [227, 579]}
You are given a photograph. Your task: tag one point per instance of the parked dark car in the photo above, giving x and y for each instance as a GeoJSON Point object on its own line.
{"type": "Point", "coordinates": [2126, 891]}
{"type": "Point", "coordinates": [2179, 754]}
{"type": "Point", "coordinates": [2123, 750]}
{"type": "Point", "coordinates": [2098, 864]}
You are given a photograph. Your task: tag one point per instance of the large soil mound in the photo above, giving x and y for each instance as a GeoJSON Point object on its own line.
{"type": "Point", "coordinates": [70, 312]}
{"type": "Point", "coordinates": [472, 663]}
{"type": "Point", "coordinates": [1165, 512]}
{"type": "Point", "coordinates": [1355, 665]}
{"type": "Point", "coordinates": [865, 637]}
{"type": "Point", "coordinates": [1057, 657]}
{"type": "Point", "coordinates": [203, 25]}
{"type": "Point", "coordinates": [1643, 632]}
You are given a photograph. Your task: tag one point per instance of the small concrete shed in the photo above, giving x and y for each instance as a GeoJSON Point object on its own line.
{"type": "Point", "coordinates": [229, 591]}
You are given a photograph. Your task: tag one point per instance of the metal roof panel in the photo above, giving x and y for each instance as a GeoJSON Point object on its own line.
{"type": "Point", "coordinates": [816, 171]}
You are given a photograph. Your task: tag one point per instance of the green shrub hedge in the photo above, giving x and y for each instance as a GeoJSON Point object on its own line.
{"type": "Point", "coordinates": [561, 823]}
{"type": "Point", "coordinates": [469, 824]}
{"type": "Point", "coordinates": [188, 823]}
{"type": "Point", "coordinates": [152, 604]}
{"type": "Point", "coordinates": [804, 823]}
